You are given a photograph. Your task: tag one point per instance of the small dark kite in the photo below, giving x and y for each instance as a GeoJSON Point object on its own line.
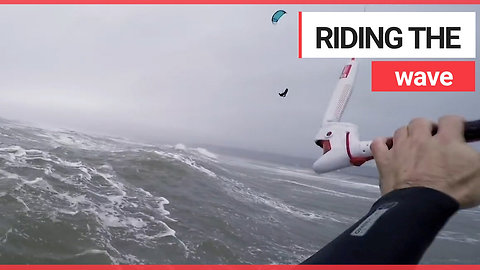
{"type": "Point", "coordinates": [284, 94]}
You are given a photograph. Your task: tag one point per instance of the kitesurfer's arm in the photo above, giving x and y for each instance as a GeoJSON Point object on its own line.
{"type": "Point", "coordinates": [397, 230]}
{"type": "Point", "coordinates": [424, 180]}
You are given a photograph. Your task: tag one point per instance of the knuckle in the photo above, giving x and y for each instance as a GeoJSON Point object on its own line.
{"type": "Point", "coordinates": [377, 142]}
{"type": "Point", "coordinates": [399, 131]}
{"type": "Point", "coordinates": [452, 118]}
{"type": "Point", "coordinates": [418, 120]}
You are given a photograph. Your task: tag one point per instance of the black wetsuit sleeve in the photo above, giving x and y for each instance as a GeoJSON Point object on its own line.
{"type": "Point", "coordinates": [397, 230]}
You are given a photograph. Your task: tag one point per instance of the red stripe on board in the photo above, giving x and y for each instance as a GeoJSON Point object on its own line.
{"type": "Point", "coordinates": [299, 34]}
{"type": "Point", "coordinates": [227, 2]}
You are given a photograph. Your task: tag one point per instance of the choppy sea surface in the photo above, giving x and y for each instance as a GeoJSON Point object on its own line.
{"type": "Point", "coordinates": [67, 197]}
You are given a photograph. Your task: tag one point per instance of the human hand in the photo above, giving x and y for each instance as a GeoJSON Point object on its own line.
{"type": "Point", "coordinates": [444, 161]}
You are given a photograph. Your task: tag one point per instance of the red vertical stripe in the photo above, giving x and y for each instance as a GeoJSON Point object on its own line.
{"type": "Point", "coordinates": [299, 34]}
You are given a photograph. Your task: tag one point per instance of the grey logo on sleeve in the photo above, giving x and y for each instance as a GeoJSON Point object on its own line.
{"type": "Point", "coordinates": [363, 228]}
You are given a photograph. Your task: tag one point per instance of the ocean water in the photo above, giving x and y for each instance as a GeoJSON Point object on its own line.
{"type": "Point", "coordinates": [67, 197]}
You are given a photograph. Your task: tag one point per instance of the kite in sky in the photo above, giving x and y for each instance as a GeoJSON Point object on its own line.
{"type": "Point", "coordinates": [277, 15]}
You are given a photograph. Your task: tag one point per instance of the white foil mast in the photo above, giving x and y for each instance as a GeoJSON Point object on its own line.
{"type": "Point", "coordinates": [340, 140]}
{"type": "Point", "coordinates": [342, 93]}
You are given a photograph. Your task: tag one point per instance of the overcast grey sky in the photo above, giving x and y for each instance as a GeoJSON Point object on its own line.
{"type": "Point", "coordinates": [192, 74]}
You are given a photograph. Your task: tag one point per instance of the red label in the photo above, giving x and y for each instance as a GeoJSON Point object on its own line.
{"type": "Point", "coordinates": [346, 71]}
{"type": "Point", "coordinates": [418, 76]}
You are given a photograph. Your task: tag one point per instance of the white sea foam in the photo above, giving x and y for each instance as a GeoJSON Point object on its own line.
{"type": "Point", "coordinates": [242, 192]}
{"type": "Point", "coordinates": [206, 153]}
{"type": "Point", "coordinates": [457, 237]}
{"type": "Point", "coordinates": [38, 179]}
{"type": "Point", "coordinates": [186, 160]}
{"type": "Point", "coordinates": [180, 146]}
{"type": "Point", "coordinates": [10, 175]}
{"type": "Point", "coordinates": [334, 178]}
{"type": "Point", "coordinates": [62, 187]}
{"type": "Point", "coordinates": [92, 251]}
{"type": "Point", "coordinates": [86, 142]}
{"type": "Point", "coordinates": [108, 211]}
{"type": "Point", "coordinates": [329, 191]}
{"type": "Point", "coordinates": [198, 151]}
{"type": "Point", "coordinates": [297, 176]}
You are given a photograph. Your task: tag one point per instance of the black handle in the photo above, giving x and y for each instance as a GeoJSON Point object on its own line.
{"type": "Point", "coordinates": [472, 131]}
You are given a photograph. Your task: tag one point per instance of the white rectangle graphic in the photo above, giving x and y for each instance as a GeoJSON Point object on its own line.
{"type": "Point", "coordinates": [387, 34]}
